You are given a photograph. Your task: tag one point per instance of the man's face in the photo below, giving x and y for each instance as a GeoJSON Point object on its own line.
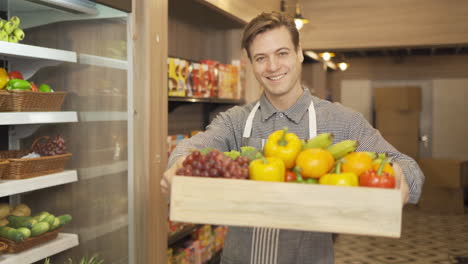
{"type": "Point", "coordinates": [276, 64]}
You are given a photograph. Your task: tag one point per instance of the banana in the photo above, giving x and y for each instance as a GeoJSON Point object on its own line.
{"type": "Point", "coordinates": [323, 141]}
{"type": "Point", "coordinates": [343, 148]}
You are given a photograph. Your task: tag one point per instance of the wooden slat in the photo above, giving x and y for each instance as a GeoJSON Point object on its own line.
{"type": "Point", "coordinates": [150, 22]}
{"type": "Point", "coordinates": [124, 5]}
{"type": "Point", "coordinates": [338, 24]}
{"type": "Point", "coordinates": [352, 210]}
{"type": "Point", "coordinates": [244, 10]}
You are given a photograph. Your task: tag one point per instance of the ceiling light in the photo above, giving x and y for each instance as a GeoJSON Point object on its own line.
{"type": "Point", "coordinates": [326, 56]}
{"type": "Point", "coordinates": [298, 19]}
{"type": "Point", "coordinates": [343, 66]}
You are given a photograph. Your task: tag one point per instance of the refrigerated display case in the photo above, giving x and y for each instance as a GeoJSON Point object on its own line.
{"type": "Point", "coordinates": [82, 49]}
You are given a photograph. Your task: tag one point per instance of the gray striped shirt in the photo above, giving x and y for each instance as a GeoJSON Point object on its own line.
{"type": "Point", "coordinates": [273, 246]}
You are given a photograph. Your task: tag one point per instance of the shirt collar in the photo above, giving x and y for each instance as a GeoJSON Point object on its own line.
{"type": "Point", "coordinates": [295, 112]}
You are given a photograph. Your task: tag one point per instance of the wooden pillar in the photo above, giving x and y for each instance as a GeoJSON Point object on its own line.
{"type": "Point", "coordinates": [150, 38]}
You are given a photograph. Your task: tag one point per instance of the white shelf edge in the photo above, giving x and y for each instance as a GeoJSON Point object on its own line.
{"type": "Point", "coordinates": [102, 116]}
{"type": "Point", "coordinates": [63, 242]}
{"type": "Point", "coordinates": [35, 52]}
{"type": "Point", "coordinates": [95, 231]}
{"type": "Point", "coordinates": [102, 61]}
{"type": "Point", "coordinates": [24, 118]}
{"type": "Point", "coordinates": [10, 187]}
{"type": "Point", "coordinates": [102, 170]}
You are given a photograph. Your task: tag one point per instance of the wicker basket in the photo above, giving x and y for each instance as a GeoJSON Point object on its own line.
{"type": "Point", "coordinates": [3, 167]}
{"type": "Point", "coordinates": [3, 247]}
{"type": "Point", "coordinates": [21, 101]}
{"type": "Point", "coordinates": [15, 247]}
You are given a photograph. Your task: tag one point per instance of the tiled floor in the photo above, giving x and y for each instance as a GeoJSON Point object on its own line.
{"type": "Point", "coordinates": [426, 239]}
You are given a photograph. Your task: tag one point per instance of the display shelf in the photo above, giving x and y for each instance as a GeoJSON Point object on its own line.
{"type": "Point", "coordinates": [176, 237]}
{"type": "Point", "coordinates": [10, 187]}
{"type": "Point", "coordinates": [216, 258]}
{"type": "Point", "coordinates": [204, 100]}
{"type": "Point", "coordinates": [102, 170]}
{"type": "Point", "coordinates": [63, 242]}
{"type": "Point", "coordinates": [102, 116]}
{"type": "Point", "coordinates": [24, 118]}
{"type": "Point", "coordinates": [33, 52]}
{"type": "Point", "coordinates": [106, 62]}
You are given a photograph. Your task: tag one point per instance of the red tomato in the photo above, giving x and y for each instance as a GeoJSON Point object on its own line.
{"type": "Point", "coordinates": [34, 87]}
{"type": "Point", "coordinates": [290, 176]}
{"type": "Point", "coordinates": [370, 178]}
{"type": "Point", "coordinates": [15, 75]}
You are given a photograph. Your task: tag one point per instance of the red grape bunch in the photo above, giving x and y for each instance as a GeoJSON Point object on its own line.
{"type": "Point", "coordinates": [214, 164]}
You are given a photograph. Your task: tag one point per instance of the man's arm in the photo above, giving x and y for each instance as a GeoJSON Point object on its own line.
{"type": "Point", "coordinates": [370, 139]}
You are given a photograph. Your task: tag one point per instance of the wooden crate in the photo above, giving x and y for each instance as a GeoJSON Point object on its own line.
{"type": "Point", "coordinates": [322, 208]}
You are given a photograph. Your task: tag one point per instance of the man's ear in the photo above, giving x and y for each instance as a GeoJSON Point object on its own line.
{"type": "Point", "coordinates": [299, 53]}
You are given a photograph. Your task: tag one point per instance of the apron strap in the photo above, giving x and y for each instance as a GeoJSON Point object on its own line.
{"type": "Point", "coordinates": [312, 121]}
{"type": "Point", "coordinates": [248, 123]}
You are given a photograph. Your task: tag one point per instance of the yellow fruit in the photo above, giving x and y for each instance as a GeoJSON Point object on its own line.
{"type": "Point", "coordinates": [357, 163]}
{"type": "Point", "coordinates": [387, 168]}
{"type": "Point", "coordinates": [314, 162]}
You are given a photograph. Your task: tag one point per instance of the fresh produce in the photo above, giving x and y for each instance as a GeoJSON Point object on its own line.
{"type": "Point", "coordinates": [64, 219]}
{"type": "Point", "coordinates": [214, 164]}
{"type": "Point", "coordinates": [4, 222]}
{"type": "Point", "coordinates": [358, 162]}
{"type": "Point", "coordinates": [4, 210]}
{"type": "Point", "coordinates": [387, 167]}
{"type": "Point", "coordinates": [314, 162]}
{"type": "Point", "coordinates": [340, 178]}
{"type": "Point", "coordinates": [11, 234]}
{"type": "Point", "coordinates": [39, 228]}
{"type": "Point", "coordinates": [4, 78]}
{"type": "Point", "coordinates": [10, 30]}
{"type": "Point", "coordinates": [15, 75]}
{"type": "Point", "coordinates": [45, 88]}
{"type": "Point", "coordinates": [267, 169]}
{"type": "Point", "coordinates": [18, 84]}
{"type": "Point", "coordinates": [34, 87]}
{"type": "Point", "coordinates": [41, 216]}
{"type": "Point", "coordinates": [22, 208]}
{"type": "Point", "coordinates": [251, 153]}
{"type": "Point", "coordinates": [298, 177]}
{"type": "Point", "coordinates": [323, 140]}
{"type": "Point", "coordinates": [53, 146]}
{"type": "Point", "coordinates": [283, 145]}
{"type": "Point", "coordinates": [25, 231]}
{"type": "Point", "coordinates": [342, 148]}
{"type": "Point", "coordinates": [21, 221]}
{"type": "Point", "coordinates": [379, 178]}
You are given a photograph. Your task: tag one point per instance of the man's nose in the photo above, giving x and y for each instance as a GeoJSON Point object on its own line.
{"type": "Point", "coordinates": [273, 64]}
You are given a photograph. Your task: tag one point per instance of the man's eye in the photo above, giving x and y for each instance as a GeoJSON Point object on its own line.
{"type": "Point", "coordinates": [259, 59]}
{"type": "Point", "coordinates": [283, 53]}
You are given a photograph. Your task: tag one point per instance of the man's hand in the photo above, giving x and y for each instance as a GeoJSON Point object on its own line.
{"type": "Point", "coordinates": [401, 183]}
{"type": "Point", "coordinates": [167, 176]}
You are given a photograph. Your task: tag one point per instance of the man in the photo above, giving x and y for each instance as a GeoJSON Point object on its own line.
{"type": "Point", "coordinates": [272, 44]}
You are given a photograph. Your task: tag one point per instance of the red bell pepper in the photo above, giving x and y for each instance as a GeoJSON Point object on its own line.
{"type": "Point", "coordinates": [15, 75]}
{"type": "Point", "coordinates": [379, 178]}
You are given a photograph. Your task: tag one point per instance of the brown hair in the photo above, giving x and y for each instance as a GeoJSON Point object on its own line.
{"type": "Point", "coordinates": [265, 22]}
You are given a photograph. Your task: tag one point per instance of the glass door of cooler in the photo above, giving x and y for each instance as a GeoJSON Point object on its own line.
{"type": "Point", "coordinates": [81, 48]}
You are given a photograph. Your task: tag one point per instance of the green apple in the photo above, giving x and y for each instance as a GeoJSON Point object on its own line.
{"type": "Point", "coordinates": [3, 36]}
{"type": "Point", "coordinates": [19, 33]}
{"type": "Point", "coordinates": [12, 39]}
{"type": "Point", "coordinates": [15, 20]}
{"type": "Point", "coordinates": [9, 27]}
{"type": "Point", "coordinates": [45, 88]}
{"type": "Point", "coordinates": [2, 23]}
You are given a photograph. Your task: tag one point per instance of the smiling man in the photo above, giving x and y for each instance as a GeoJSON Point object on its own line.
{"type": "Point", "coordinates": [272, 44]}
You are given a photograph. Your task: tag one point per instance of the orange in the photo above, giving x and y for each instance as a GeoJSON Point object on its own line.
{"type": "Point", "coordinates": [314, 162]}
{"type": "Point", "coordinates": [357, 163]}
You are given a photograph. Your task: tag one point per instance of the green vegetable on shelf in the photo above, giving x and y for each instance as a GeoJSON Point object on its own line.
{"type": "Point", "coordinates": [39, 229]}
{"type": "Point", "coordinates": [45, 88]}
{"type": "Point", "coordinates": [18, 84]}
{"type": "Point", "coordinates": [11, 233]}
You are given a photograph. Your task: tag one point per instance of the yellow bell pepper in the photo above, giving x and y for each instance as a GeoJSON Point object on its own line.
{"type": "Point", "coordinates": [340, 179]}
{"type": "Point", "coordinates": [267, 169]}
{"type": "Point", "coordinates": [3, 78]}
{"type": "Point", "coordinates": [283, 145]}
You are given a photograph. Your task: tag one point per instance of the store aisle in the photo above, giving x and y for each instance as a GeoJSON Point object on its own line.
{"type": "Point", "coordinates": [426, 239]}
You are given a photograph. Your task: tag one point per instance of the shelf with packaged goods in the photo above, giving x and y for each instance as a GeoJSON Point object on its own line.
{"type": "Point", "coordinates": [24, 51]}
{"type": "Point", "coordinates": [181, 235]}
{"type": "Point", "coordinates": [63, 242]}
{"type": "Point", "coordinates": [24, 118]}
{"type": "Point", "coordinates": [11, 187]}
